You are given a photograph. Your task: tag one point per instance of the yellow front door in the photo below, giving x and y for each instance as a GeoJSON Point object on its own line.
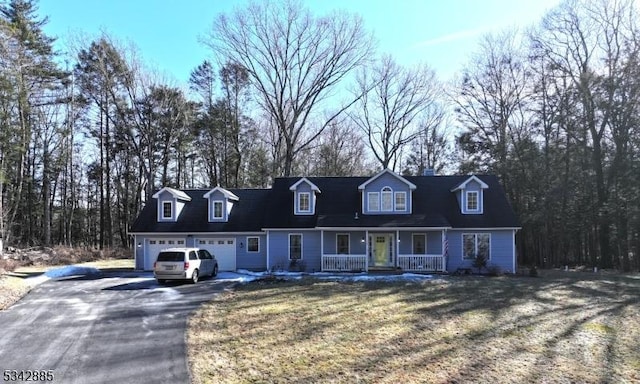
{"type": "Point", "coordinates": [381, 250]}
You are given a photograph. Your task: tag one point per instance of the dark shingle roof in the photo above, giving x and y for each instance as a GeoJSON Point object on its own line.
{"type": "Point", "coordinates": [246, 215]}
{"type": "Point", "coordinates": [434, 205]}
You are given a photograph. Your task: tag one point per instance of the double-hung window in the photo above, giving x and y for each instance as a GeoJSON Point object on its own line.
{"type": "Point", "coordinates": [295, 246]}
{"type": "Point", "coordinates": [401, 201]}
{"type": "Point", "coordinates": [167, 210]}
{"type": "Point", "coordinates": [419, 244]}
{"type": "Point", "coordinates": [304, 202]}
{"type": "Point", "coordinates": [253, 244]}
{"type": "Point", "coordinates": [387, 199]}
{"type": "Point", "coordinates": [342, 244]}
{"type": "Point", "coordinates": [373, 199]}
{"type": "Point", "coordinates": [476, 244]}
{"type": "Point", "coordinates": [217, 209]}
{"type": "Point", "coordinates": [472, 201]}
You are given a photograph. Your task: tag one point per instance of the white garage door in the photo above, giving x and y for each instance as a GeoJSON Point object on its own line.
{"type": "Point", "coordinates": [223, 249]}
{"type": "Point", "coordinates": [154, 246]}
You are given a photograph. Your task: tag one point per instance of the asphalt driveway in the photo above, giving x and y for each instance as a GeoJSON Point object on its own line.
{"type": "Point", "coordinates": [108, 328]}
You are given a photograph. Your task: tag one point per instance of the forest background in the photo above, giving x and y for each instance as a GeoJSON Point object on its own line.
{"type": "Point", "coordinates": [552, 110]}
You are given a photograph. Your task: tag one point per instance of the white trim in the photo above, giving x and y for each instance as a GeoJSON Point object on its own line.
{"type": "Point", "coordinates": [478, 208]}
{"type": "Point", "coordinates": [413, 248]}
{"type": "Point", "coordinates": [174, 192]}
{"type": "Point", "coordinates": [386, 229]}
{"type": "Point", "coordinates": [395, 200]}
{"type": "Point", "coordinates": [195, 233]}
{"type": "Point", "coordinates": [348, 243]}
{"type": "Point", "coordinates": [384, 171]}
{"type": "Point", "coordinates": [369, 199]}
{"type": "Point", "coordinates": [386, 190]}
{"type": "Point", "coordinates": [514, 253]}
{"type": "Point", "coordinates": [291, 229]}
{"type": "Point", "coordinates": [475, 234]}
{"type": "Point", "coordinates": [484, 228]}
{"type": "Point", "coordinates": [301, 246]}
{"type": "Point", "coordinates": [213, 210]}
{"type": "Point", "coordinates": [305, 180]}
{"type": "Point", "coordinates": [247, 242]}
{"type": "Point", "coordinates": [162, 216]}
{"type": "Point", "coordinates": [227, 194]}
{"type": "Point", "coordinates": [268, 252]}
{"type": "Point", "coordinates": [463, 185]}
{"type": "Point", "coordinates": [299, 203]}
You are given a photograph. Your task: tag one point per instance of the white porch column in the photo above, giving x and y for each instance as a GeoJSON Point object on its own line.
{"type": "Point", "coordinates": [322, 250]}
{"type": "Point", "coordinates": [268, 268]}
{"type": "Point", "coordinates": [395, 261]}
{"type": "Point", "coordinates": [366, 248]}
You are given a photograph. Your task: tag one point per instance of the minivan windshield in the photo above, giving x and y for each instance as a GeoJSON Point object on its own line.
{"type": "Point", "coordinates": [171, 256]}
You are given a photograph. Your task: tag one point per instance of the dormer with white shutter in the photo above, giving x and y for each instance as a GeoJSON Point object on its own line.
{"type": "Point", "coordinates": [470, 195]}
{"type": "Point", "coordinates": [304, 197]}
{"type": "Point", "coordinates": [170, 203]}
{"type": "Point", "coordinates": [220, 204]}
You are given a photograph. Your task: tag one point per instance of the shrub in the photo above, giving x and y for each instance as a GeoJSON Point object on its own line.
{"type": "Point", "coordinates": [494, 270]}
{"type": "Point", "coordinates": [297, 266]}
{"type": "Point", "coordinates": [480, 262]}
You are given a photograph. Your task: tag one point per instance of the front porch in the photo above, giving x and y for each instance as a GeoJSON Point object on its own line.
{"type": "Point", "coordinates": [411, 251]}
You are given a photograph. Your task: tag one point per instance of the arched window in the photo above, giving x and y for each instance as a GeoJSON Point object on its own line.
{"type": "Point", "coordinates": [387, 199]}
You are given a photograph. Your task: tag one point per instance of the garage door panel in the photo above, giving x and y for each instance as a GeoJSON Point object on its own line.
{"type": "Point", "coordinates": [224, 249]}
{"type": "Point", "coordinates": [154, 246]}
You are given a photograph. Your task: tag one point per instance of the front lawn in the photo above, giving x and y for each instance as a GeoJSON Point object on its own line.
{"type": "Point", "coordinates": [564, 327]}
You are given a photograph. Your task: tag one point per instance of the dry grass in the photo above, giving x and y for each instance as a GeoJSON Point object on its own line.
{"type": "Point", "coordinates": [11, 290]}
{"type": "Point", "coordinates": [573, 327]}
{"type": "Point", "coordinates": [14, 272]}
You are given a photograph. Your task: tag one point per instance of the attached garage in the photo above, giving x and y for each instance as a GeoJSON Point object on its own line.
{"type": "Point", "coordinates": [154, 246]}
{"type": "Point", "coordinates": [224, 249]}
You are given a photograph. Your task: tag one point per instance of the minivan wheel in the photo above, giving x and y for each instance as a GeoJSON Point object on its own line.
{"type": "Point", "coordinates": [215, 271]}
{"type": "Point", "coordinates": [194, 276]}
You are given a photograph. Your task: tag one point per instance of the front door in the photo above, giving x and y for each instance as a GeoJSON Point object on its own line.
{"type": "Point", "coordinates": [382, 249]}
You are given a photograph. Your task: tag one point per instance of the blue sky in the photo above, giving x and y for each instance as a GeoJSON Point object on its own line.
{"type": "Point", "coordinates": [443, 33]}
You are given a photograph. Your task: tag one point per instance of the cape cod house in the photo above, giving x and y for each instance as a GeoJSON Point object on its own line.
{"type": "Point", "coordinates": [417, 223]}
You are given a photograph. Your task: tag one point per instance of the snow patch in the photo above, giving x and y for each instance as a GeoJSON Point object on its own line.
{"type": "Point", "coordinates": [70, 270]}
{"type": "Point", "coordinates": [245, 276]}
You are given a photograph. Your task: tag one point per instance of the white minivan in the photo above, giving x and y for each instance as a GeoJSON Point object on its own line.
{"type": "Point", "coordinates": [184, 264]}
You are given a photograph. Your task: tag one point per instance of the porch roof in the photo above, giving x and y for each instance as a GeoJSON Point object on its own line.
{"type": "Point", "coordinates": [384, 221]}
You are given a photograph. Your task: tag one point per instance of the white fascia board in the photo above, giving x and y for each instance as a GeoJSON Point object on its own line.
{"type": "Point", "coordinates": [229, 195]}
{"type": "Point", "coordinates": [174, 192]}
{"type": "Point", "coordinates": [475, 178]}
{"type": "Point", "coordinates": [305, 180]}
{"type": "Point", "coordinates": [384, 171]}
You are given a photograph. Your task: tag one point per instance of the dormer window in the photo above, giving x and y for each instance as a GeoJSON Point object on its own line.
{"type": "Point", "coordinates": [387, 199]}
{"type": "Point", "coordinates": [167, 210]}
{"type": "Point", "coordinates": [374, 201]}
{"type": "Point", "coordinates": [401, 201]}
{"type": "Point", "coordinates": [221, 204]}
{"type": "Point", "coordinates": [304, 202]}
{"type": "Point", "coordinates": [305, 197]}
{"type": "Point", "coordinates": [470, 195]}
{"type": "Point", "coordinates": [217, 210]}
{"type": "Point", "coordinates": [472, 201]}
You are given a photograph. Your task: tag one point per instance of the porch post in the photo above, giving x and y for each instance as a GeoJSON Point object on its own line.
{"type": "Point", "coordinates": [395, 261]}
{"type": "Point", "coordinates": [366, 249]}
{"type": "Point", "coordinates": [322, 250]}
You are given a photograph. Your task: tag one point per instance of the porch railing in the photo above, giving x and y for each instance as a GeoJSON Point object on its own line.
{"type": "Point", "coordinates": [344, 263]}
{"type": "Point", "coordinates": [421, 263]}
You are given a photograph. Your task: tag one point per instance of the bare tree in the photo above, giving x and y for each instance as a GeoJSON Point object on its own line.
{"type": "Point", "coordinates": [393, 98]}
{"type": "Point", "coordinates": [294, 61]}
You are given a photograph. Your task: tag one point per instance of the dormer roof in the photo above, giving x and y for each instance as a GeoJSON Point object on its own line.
{"type": "Point", "coordinates": [463, 185]}
{"type": "Point", "coordinates": [383, 172]}
{"type": "Point", "coordinates": [229, 195]}
{"type": "Point", "coordinates": [174, 192]}
{"type": "Point", "coordinates": [305, 180]}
